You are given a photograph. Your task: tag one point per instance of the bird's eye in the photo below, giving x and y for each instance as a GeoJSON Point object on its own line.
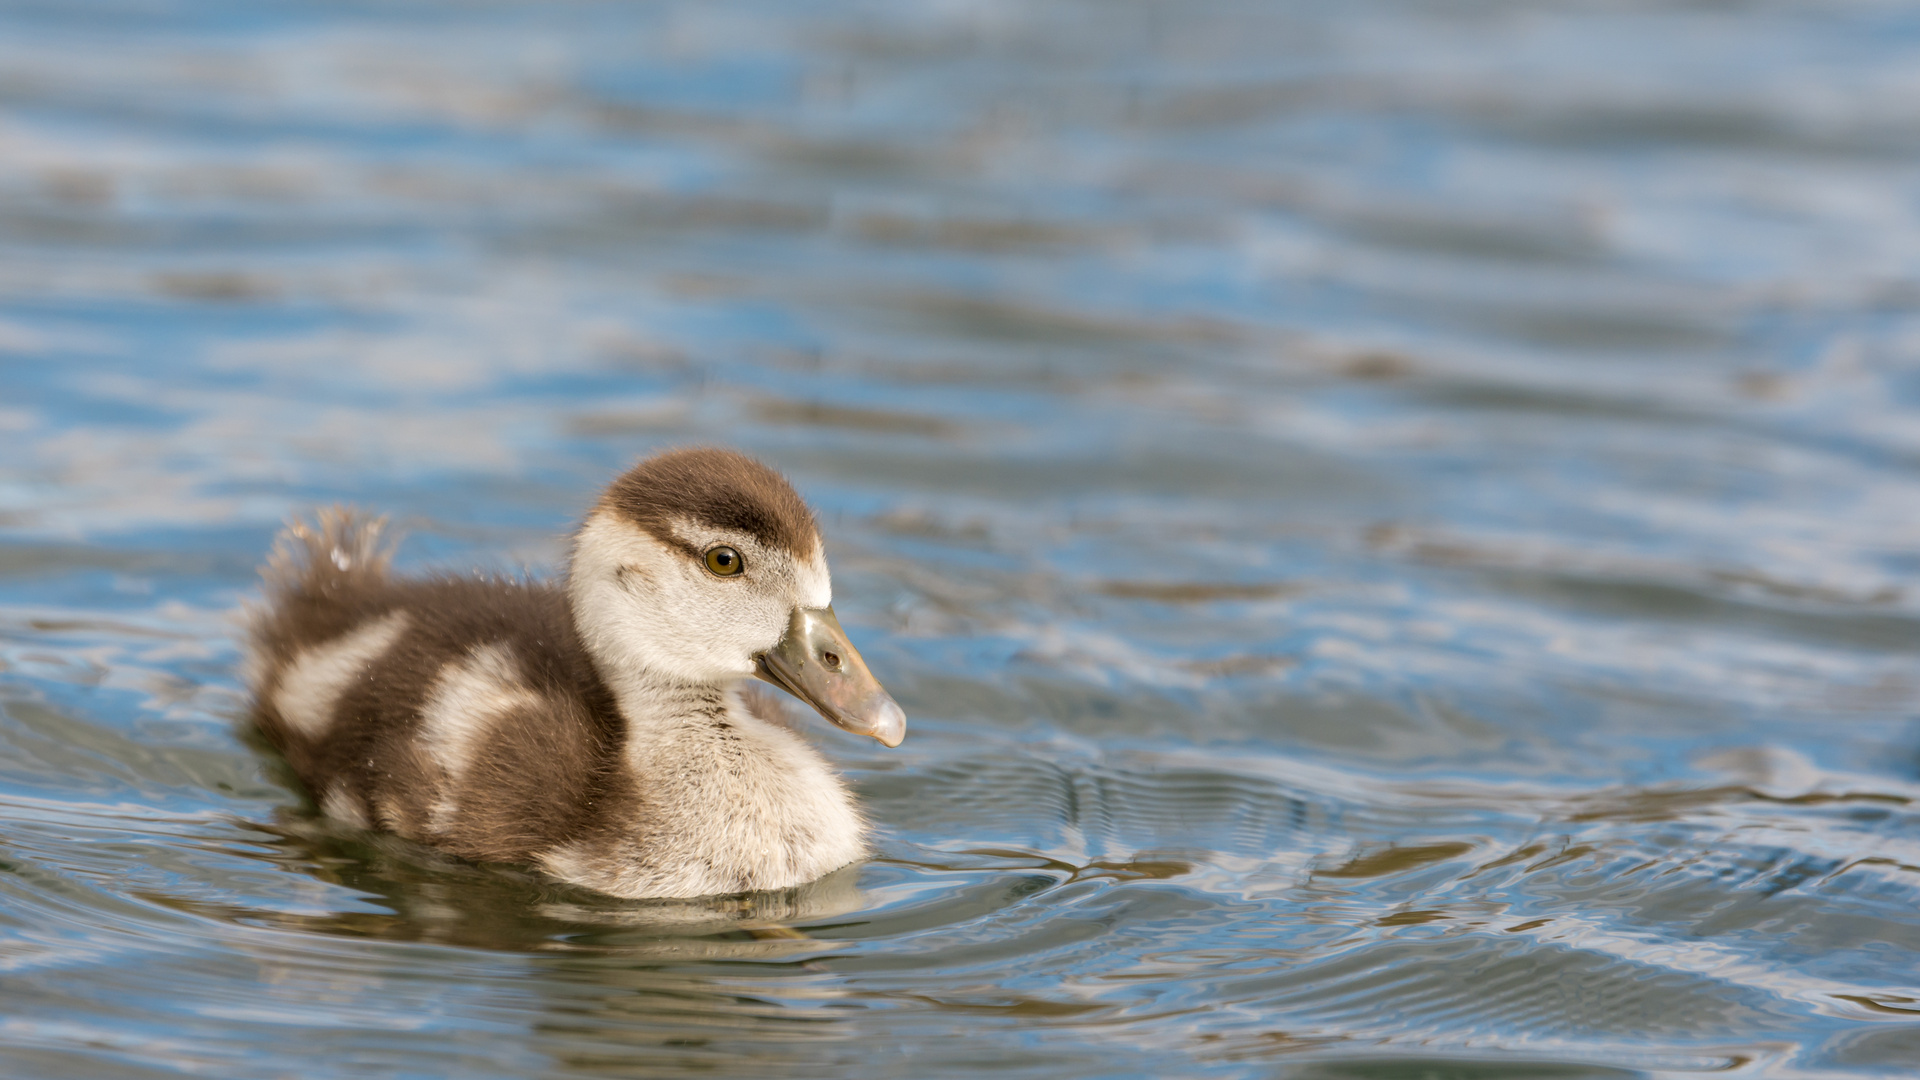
{"type": "Point", "coordinates": [724, 561]}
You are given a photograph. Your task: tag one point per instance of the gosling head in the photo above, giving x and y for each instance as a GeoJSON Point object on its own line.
{"type": "Point", "coordinates": [705, 566]}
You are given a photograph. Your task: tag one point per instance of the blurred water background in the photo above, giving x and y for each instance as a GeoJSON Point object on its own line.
{"type": "Point", "coordinates": [1397, 524]}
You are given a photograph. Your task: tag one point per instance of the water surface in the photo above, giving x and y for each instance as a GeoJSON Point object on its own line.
{"type": "Point", "coordinates": [1396, 525]}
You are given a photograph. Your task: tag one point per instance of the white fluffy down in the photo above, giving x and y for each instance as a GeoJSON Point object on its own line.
{"type": "Point", "coordinates": [786, 818]}
{"type": "Point", "coordinates": [467, 699]}
{"type": "Point", "coordinates": [309, 689]}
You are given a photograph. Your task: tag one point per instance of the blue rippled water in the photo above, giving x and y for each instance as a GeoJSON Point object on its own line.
{"type": "Point", "coordinates": [1397, 525]}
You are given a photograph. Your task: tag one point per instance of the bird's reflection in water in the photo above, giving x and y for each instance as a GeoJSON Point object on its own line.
{"type": "Point", "coordinates": [606, 1014]}
{"type": "Point", "coordinates": [433, 897]}
{"type": "Point", "coordinates": [399, 941]}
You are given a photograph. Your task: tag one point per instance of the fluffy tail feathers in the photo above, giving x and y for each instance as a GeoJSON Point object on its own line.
{"type": "Point", "coordinates": [340, 549]}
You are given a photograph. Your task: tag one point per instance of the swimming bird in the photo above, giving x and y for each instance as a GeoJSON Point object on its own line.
{"type": "Point", "coordinates": [593, 727]}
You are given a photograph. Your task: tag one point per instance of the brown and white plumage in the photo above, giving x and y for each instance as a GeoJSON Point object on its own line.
{"type": "Point", "coordinates": [593, 727]}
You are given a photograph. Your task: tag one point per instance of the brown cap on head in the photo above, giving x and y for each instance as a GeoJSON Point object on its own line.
{"type": "Point", "coordinates": [720, 488]}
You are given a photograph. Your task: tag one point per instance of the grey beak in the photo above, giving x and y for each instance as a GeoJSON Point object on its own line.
{"type": "Point", "coordinates": [817, 664]}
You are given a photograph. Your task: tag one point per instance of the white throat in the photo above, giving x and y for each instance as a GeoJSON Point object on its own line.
{"type": "Point", "coordinates": [729, 802]}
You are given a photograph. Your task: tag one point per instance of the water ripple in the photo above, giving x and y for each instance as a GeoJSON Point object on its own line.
{"type": "Point", "coordinates": [1395, 523]}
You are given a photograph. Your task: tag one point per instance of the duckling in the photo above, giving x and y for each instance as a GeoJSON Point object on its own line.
{"type": "Point", "coordinates": [594, 727]}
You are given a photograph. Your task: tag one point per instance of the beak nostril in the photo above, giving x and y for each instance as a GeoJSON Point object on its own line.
{"type": "Point", "coordinates": [831, 659]}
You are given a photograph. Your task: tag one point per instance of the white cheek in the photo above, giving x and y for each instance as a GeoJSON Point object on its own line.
{"type": "Point", "coordinates": [724, 622]}
{"type": "Point", "coordinates": [812, 583]}
{"type": "Point", "coordinates": [642, 604]}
